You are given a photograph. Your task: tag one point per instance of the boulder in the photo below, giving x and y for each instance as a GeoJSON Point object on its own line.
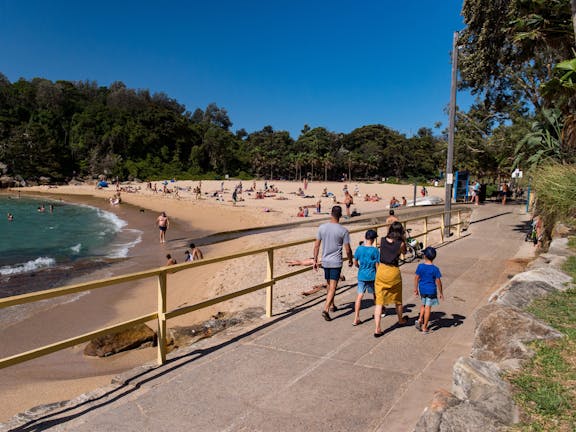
{"type": "Point", "coordinates": [7, 181]}
{"type": "Point", "coordinates": [181, 336]}
{"type": "Point", "coordinates": [501, 334]}
{"type": "Point", "coordinates": [525, 287]}
{"type": "Point", "coordinates": [466, 416]}
{"type": "Point", "coordinates": [479, 382]}
{"type": "Point", "coordinates": [546, 260]}
{"type": "Point", "coordinates": [432, 416]}
{"type": "Point", "coordinates": [43, 180]}
{"type": "Point", "coordinates": [75, 182]}
{"type": "Point", "coordinates": [561, 230]}
{"type": "Point", "coordinates": [139, 336]}
{"type": "Point", "coordinates": [559, 246]}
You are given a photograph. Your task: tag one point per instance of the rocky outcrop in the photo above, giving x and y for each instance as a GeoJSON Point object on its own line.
{"type": "Point", "coordinates": [526, 287]}
{"type": "Point", "coordinates": [479, 382]}
{"type": "Point", "coordinates": [140, 336]}
{"type": "Point", "coordinates": [502, 332]}
{"type": "Point", "coordinates": [182, 336]}
{"type": "Point", "coordinates": [481, 400]}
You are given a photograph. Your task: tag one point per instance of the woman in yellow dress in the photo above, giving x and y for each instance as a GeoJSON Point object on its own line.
{"type": "Point", "coordinates": [388, 284]}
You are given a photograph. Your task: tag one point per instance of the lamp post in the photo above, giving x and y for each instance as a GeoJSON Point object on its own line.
{"type": "Point", "coordinates": [449, 180]}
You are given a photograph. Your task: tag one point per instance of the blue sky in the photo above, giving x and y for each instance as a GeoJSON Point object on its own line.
{"type": "Point", "coordinates": [337, 64]}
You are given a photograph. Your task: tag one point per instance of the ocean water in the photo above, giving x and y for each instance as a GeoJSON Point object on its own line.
{"type": "Point", "coordinates": [40, 250]}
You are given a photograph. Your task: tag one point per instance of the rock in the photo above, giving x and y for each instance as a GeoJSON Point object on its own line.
{"type": "Point", "coordinates": [559, 246]}
{"type": "Point", "coordinates": [113, 343]}
{"type": "Point", "coordinates": [43, 180]}
{"type": "Point", "coordinates": [502, 332]}
{"type": "Point", "coordinates": [75, 182]}
{"type": "Point", "coordinates": [3, 168]}
{"type": "Point", "coordinates": [546, 261]}
{"type": "Point", "coordinates": [525, 287]}
{"type": "Point", "coordinates": [467, 417]}
{"type": "Point", "coordinates": [181, 336]}
{"type": "Point", "coordinates": [7, 181]}
{"type": "Point", "coordinates": [479, 382]}
{"type": "Point", "coordinates": [561, 230]}
{"type": "Point", "coordinates": [432, 416]}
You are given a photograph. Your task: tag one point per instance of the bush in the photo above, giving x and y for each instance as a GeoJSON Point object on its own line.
{"type": "Point", "coordinates": [555, 191]}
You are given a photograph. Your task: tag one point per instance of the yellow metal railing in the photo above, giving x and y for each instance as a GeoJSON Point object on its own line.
{"type": "Point", "coordinates": [162, 315]}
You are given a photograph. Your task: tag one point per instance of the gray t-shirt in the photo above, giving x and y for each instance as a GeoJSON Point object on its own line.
{"type": "Point", "coordinates": [333, 237]}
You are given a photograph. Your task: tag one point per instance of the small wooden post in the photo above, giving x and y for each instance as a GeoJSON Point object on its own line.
{"type": "Point", "coordinates": [426, 231]}
{"type": "Point", "coordinates": [270, 277]}
{"type": "Point", "coordinates": [459, 223]}
{"type": "Point", "coordinates": [442, 225]}
{"type": "Point", "coordinates": [162, 318]}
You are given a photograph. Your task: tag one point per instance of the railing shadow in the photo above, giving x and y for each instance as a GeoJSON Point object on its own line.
{"type": "Point", "coordinates": [172, 364]}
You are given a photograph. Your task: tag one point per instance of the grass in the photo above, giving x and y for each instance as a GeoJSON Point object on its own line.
{"type": "Point", "coordinates": [545, 389]}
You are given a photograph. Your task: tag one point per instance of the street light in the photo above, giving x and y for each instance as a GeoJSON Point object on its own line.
{"type": "Point", "coordinates": [450, 154]}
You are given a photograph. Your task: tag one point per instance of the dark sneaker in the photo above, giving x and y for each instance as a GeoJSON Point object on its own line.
{"type": "Point", "coordinates": [326, 316]}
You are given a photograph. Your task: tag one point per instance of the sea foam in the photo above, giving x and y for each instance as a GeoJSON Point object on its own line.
{"type": "Point", "coordinates": [120, 250]}
{"type": "Point", "coordinates": [27, 267]}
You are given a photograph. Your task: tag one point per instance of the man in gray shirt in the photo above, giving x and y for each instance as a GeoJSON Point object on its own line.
{"type": "Point", "coordinates": [335, 237]}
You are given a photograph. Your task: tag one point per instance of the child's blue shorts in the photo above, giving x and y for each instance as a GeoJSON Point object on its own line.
{"type": "Point", "coordinates": [365, 287]}
{"type": "Point", "coordinates": [429, 301]}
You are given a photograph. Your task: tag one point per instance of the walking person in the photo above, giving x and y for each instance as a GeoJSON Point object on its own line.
{"type": "Point", "coordinates": [366, 258]}
{"type": "Point", "coordinates": [163, 224]}
{"type": "Point", "coordinates": [334, 238]}
{"type": "Point", "coordinates": [428, 284]}
{"type": "Point", "coordinates": [388, 284]}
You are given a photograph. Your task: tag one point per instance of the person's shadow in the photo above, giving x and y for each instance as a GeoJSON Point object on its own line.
{"type": "Point", "coordinates": [440, 320]}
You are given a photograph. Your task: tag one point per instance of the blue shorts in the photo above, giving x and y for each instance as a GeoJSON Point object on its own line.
{"type": "Point", "coordinates": [428, 300]}
{"type": "Point", "coordinates": [365, 287]}
{"type": "Point", "coordinates": [332, 273]}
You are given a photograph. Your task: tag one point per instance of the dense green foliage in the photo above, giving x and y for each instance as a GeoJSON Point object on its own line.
{"type": "Point", "coordinates": [556, 193]}
{"type": "Point", "coordinates": [516, 56]}
{"type": "Point", "coordinates": [64, 129]}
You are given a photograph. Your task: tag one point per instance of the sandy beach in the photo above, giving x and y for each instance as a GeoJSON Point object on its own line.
{"type": "Point", "coordinates": [68, 373]}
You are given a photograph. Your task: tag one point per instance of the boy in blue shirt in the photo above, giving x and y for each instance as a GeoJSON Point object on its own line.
{"type": "Point", "coordinates": [366, 258]}
{"type": "Point", "coordinates": [428, 284]}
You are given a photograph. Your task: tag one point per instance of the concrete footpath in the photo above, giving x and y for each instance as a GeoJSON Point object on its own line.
{"type": "Point", "coordinates": [297, 372]}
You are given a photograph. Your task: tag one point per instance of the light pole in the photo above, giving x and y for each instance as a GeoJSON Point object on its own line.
{"type": "Point", "coordinates": [449, 178]}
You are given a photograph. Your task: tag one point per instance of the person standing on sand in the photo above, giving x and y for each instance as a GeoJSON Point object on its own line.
{"type": "Point", "coordinates": [163, 224]}
{"type": "Point", "coordinates": [388, 284]}
{"type": "Point", "coordinates": [10, 217]}
{"type": "Point", "coordinates": [335, 238]}
{"type": "Point", "coordinates": [348, 201]}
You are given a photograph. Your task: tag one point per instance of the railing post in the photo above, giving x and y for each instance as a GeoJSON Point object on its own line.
{"type": "Point", "coordinates": [459, 223]}
{"type": "Point", "coordinates": [426, 231]}
{"type": "Point", "coordinates": [443, 227]}
{"type": "Point", "coordinates": [162, 318]}
{"type": "Point", "coordinates": [270, 277]}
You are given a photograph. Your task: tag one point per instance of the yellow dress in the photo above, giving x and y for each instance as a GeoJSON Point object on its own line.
{"type": "Point", "coordinates": [388, 285]}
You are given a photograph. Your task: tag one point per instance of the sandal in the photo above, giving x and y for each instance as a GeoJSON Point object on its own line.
{"type": "Point", "coordinates": [333, 308]}
{"type": "Point", "coordinates": [377, 335]}
{"type": "Point", "coordinates": [355, 323]}
{"type": "Point", "coordinates": [418, 325]}
{"type": "Point", "coordinates": [326, 316]}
